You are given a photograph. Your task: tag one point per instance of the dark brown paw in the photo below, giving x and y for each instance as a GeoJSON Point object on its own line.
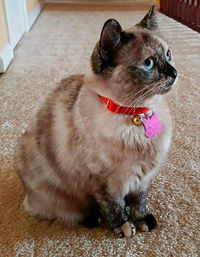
{"type": "Point", "coordinates": [91, 221]}
{"type": "Point", "coordinates": [126, 230]}
{"type": "Point", "coordinates": [146, 223]}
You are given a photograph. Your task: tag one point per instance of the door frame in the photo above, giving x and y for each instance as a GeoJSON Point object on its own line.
{"type": "Point", "coordinates": [10, 28]}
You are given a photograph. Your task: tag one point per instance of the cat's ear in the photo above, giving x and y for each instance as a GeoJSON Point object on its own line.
{"type": "Point", "coordinates": [110, 39]}
{"type": "Point", "coordinates": [149, 20]}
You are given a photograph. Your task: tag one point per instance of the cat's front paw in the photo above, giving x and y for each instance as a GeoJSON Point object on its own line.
{"type": "Point", "coordinates": [146, 223]}
{"type": "Point", "coordinates": [126, 230]}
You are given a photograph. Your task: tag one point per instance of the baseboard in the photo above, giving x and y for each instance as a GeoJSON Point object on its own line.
{"type": "Point", "coordinates": [34, 14]}
{"type": "Point", "coordinates": [85, 2]}
{"type": "Point", "coordinates": [64, 1]}
{"type": "Point", "coordinates": [6, 56]}
{"type": "Point", "coordinates": [90, 2]}
{"type": "Point", "coordinates": [125, 5]}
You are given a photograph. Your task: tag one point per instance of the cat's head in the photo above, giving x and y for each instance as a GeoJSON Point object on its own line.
{"type": "Point", "coordinates": [135, 64]}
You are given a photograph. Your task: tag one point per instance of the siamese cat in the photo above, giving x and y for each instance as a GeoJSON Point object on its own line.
{"type": "Point", "coordinates": [99, 138]}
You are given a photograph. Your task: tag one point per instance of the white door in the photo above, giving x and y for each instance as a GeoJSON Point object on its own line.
{"type": "Point", "coordinates": [16, 19]}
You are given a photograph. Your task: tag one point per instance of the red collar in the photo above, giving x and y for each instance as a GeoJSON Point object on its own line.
{"type": "Point", "coordinates": [116, 108]}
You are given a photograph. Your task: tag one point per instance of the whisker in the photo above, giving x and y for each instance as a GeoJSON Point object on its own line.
{"type": "Point", "coordinates": [131, 96]}
{"type": "Point", "coordinates": [151, 90]}
{"type": "Point", "coordinates": [145, 95]}
{"type": "Point", "coordinates": [134, 103]}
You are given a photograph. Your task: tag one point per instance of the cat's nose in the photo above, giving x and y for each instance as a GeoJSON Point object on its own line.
{"type": "Point", "coordinates": [173, 73]}
{"type": "Point", "coordinates": [170, 71]}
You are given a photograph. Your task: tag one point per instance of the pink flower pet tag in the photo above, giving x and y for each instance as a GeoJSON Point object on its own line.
{"type": "Point", "coordinates": [152, 125]}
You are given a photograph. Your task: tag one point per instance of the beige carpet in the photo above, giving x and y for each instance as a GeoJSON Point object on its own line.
{"type": "Point", "coordinates": [59, 44]}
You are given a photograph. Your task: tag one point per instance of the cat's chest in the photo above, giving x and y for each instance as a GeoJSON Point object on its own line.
{"type": "Point", "coordinates": [135, 168]}
{"type": "Point", "coordinates": [133, 158]}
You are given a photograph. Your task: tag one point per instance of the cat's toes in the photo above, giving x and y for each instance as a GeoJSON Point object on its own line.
{"type": "Point", "coordinates": [126, 230]}
{"type": "Point", "coordinates": [146, 223]}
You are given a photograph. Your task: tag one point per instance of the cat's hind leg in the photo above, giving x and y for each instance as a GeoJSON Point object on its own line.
{"type": "Point", "coordinates": [35, 208]}
{"type": "Point", "coordinates": [51, 204]}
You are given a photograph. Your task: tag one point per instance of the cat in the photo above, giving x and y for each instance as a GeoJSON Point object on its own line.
{"type": "Point", "coordinates": [84, 158]}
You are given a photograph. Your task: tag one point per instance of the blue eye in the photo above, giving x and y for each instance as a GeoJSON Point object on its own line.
{"type": "Point", "coordinates": [149, 63]}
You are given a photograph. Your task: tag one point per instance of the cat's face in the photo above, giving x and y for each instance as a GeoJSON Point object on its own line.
{"type": "Point", "coordinates": [134, 64]}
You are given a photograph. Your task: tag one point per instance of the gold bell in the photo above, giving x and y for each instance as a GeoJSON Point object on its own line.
{"type": "Point", "coordinates": [137, 120]}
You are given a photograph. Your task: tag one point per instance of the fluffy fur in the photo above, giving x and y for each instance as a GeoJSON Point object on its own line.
{"type": "Point", "coordinates": [78, 161]}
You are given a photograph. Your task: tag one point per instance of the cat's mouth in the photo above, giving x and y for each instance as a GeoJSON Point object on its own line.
{"type": "Point", "coordinates": [167, 87]}
{"type": "Point", "coordinates": [166, 90]}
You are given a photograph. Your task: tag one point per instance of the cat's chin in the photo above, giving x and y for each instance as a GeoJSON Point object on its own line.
{"type": "Point", "coordinates": [166, 88]}
{"type": "Point", "coordinates": [164, 91]}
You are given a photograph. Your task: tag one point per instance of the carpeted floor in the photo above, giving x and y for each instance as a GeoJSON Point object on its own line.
{"type": "Point", "coordinates": [59, 44]}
